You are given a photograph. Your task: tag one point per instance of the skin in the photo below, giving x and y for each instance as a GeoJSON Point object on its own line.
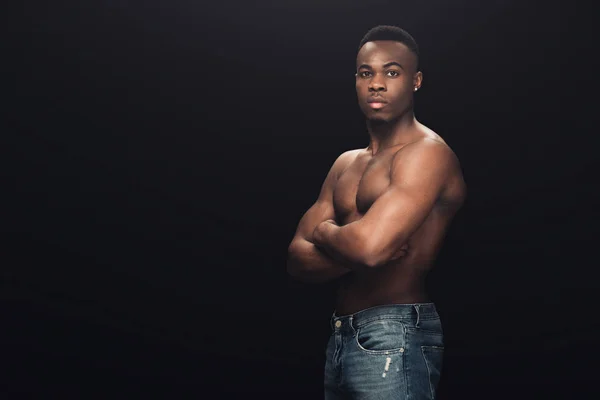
{"type": "Point", "coordinates": [383, 211]}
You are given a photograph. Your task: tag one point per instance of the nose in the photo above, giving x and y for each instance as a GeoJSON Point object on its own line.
{"type": "Point", "coordinates": [376, 85]}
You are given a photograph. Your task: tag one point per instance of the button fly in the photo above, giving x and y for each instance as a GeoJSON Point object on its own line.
{"type": "Point", "coordinates": [338, 324]}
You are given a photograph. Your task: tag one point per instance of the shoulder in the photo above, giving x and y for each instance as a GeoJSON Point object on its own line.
{"type": "Point", "coordinates": [345, 159]}
{"type": "Point", "coordinates": [426, 159]}
{"type": "Point", "coordinates": [430, 160]}
{"type": "Point", "coordinates": [429, 149]}
{"type": "Point", "coordinates": [349, 155]}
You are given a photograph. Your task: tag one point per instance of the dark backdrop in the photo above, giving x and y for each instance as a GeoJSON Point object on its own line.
{"type": "Point", "coordinates": [159, 155]}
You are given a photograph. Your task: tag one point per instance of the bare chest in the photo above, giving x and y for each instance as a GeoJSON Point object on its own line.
{"type": "Point", "coordinates": [359, 186]}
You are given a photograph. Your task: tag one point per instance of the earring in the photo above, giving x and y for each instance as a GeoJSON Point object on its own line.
{"type": "Point", "coordinates": [416, 89]}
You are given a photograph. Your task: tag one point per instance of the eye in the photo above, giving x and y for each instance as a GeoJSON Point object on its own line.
{"type": "Point", "coordinates": [364, 74]}
{"type": "Point", "coordinates": [393, 73]}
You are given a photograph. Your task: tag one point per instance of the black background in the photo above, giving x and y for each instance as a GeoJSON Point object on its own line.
{"type": "Point", "coordinates": [158, 157]}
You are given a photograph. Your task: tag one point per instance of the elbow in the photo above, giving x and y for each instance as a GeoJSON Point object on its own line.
{"type": "Point", "coordinates": [360, 248]}
{"type": "Point", "coordinates": [373, 255]}
{"type": "Point", "coordinates": [366, 255]}
{"type": "Point", "coordinates": [293, 266]}
{"type": "Point", "coordinates": [371, 261]}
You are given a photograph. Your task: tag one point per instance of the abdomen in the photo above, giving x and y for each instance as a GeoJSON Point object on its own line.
{"type": "Point", "coordinates": [402, 281]}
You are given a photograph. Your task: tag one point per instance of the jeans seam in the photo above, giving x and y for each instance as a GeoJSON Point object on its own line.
{"type": "Point", "coordinates": [431, 391]}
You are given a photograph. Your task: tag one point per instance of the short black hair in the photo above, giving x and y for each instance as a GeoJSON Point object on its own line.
{"type": "Point", "coordinates": [390, 32]}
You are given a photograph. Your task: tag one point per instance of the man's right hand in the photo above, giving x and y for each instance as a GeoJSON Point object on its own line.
{"type": "Point", "coordinates": [402, 252]}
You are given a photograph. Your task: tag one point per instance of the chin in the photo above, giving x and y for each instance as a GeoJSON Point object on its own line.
{"type": "Point", "coordinates": [378, 118]}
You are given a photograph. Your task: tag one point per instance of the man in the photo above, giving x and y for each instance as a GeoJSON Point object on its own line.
{"type": "Point", "coordinates": [376, 227]}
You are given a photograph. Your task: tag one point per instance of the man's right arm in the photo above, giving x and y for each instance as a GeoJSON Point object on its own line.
{"type": "Point", "coordinates": [305, 261]}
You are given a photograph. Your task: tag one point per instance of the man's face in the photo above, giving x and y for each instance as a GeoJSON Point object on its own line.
{"type": "Point", "coordinates": [386, 78]}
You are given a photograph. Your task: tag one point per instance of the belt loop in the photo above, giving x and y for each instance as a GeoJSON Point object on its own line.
{"type": "Point", "coordinates": [417, 310]}
{"type": "Point", "coordinates": [351, 324]}
{"type": "Point", "coordinates": [331, 321]}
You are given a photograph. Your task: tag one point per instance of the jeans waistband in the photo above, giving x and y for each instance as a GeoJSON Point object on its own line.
{"type": "Point", "coordinates": [416, 312]}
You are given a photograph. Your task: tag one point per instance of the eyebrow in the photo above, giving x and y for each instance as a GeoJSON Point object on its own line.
{"type": "Point", "coordinates": [386, 65]}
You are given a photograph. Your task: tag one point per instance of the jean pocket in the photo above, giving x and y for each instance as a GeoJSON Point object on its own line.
{"type": "Point", "coordinates": [433, 356]}
{"type": "Point", "coordinates": [381, 337]}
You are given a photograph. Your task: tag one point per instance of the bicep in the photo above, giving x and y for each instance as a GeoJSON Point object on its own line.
{"type": "Point", "coordinates": [416, 184]}
{"type": "Point", "coordinates": [397, 213]}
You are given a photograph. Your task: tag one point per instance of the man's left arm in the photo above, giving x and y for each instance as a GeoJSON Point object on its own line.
{"type": "Point", "coordinates": [418, 176]}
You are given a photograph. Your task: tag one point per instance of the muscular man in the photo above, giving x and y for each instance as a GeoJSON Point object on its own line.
{"type": "Point", "coordinates": [376, 227]}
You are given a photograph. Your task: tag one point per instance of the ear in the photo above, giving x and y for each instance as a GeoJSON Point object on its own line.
{"type": "Point", "coordinates": [417, 80]}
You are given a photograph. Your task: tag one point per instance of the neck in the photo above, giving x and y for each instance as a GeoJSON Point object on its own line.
{"type": "Point", "coordinates": [385, 134]}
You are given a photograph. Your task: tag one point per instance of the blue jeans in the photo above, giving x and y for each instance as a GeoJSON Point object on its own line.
{"type": "Point", "coordinates": [385, 352]}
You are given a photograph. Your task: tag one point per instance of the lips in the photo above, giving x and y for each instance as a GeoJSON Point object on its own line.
{"type": "Point", "coordinates": [376, 103]}
{"type": "Point", "coordinates": [376, 100]}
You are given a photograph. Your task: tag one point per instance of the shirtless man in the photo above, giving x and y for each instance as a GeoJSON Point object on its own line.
{"type": "Point", "coordinates": [376, 227]}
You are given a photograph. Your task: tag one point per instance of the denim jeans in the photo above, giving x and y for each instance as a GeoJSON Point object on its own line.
{"type": "Point", "coordinates": [385, 352]}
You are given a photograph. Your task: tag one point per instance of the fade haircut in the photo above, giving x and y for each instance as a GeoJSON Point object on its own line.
{"type": "Point", "coordinates": [390, 32]}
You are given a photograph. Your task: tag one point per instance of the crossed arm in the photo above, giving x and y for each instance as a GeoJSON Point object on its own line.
{"type": "Point", "coordinates": [306, 262]}
{"type": "Point", "coordinates": [417, 180]}
{"type": "Point", "coordinates": [321, 250]}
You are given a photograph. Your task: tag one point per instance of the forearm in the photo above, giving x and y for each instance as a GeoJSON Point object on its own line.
{"type": "Point", "coordinates": [309, 264]}
{"type": "Point", "coordinates": [343, 244]}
